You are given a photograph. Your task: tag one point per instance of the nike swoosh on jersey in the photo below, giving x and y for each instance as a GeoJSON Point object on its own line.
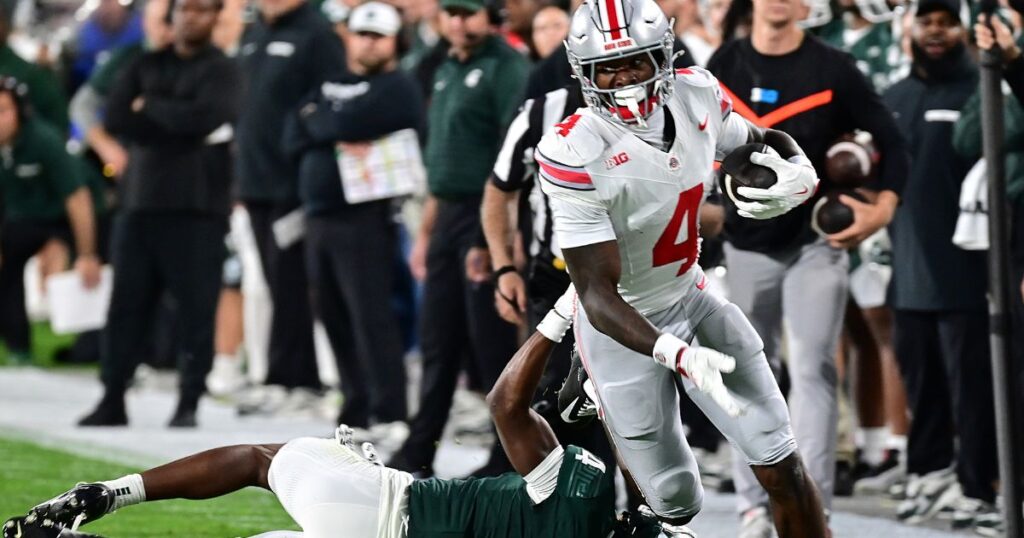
{"type": "Point", "coordinates": [704, 123]}
{"type": "Point", "coordinates": [803, 191]}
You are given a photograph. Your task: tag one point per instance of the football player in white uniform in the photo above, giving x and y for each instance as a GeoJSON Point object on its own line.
{"type": "Point", "coordinates": [626, 176]}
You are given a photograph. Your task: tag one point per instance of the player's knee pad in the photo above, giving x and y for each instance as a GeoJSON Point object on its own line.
{"type": "Point", "coordinates": [767, 433]}
{"type": "Point", "coordinates": [633, 412]}
{"type": "Point", "coordinates": [676, 493]}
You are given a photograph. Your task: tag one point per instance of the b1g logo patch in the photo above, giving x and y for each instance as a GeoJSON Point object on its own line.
{"type": "Point", "coordinates": [617, 160]}
{"type": "Point", "coordinates": [673, 163]}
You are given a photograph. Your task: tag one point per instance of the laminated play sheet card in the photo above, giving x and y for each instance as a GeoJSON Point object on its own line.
{"type": "Point", "coordinates": [389, 167]}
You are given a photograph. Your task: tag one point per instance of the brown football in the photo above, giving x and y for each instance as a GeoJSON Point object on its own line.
{"type": "Point", "coordinates": [738, 171]}
{"type": "Point", "coordinates": [852, 161]}
{"type": "Point", "coordinates": [830, 215]}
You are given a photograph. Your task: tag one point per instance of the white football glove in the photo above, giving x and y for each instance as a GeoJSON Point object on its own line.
{"type": "Point", "coordinates": [559, 319]}
{"type": "Point", "coordinates": [797, 182]}
{"type": "Point", "coordinates": [704, 366]}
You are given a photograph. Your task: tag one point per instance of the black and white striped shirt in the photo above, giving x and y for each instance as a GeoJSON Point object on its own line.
{"type": "Point", "coordinates": [516, 170]}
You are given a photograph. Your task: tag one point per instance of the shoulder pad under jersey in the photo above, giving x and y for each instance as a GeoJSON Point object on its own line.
{"type": "Point", "coordinates": [698, 77]}
{"type": "Point", "coordinates": [567, 148]}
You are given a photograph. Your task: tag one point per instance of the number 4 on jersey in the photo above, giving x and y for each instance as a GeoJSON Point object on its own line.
{"type": "Point", "coordinates": [567, 125]}
{"type": "Point", "coordinates": [679, 240]}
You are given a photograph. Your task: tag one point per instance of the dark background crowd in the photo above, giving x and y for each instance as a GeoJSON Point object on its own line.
{"type": "Point", "coordinates": [204, 150]}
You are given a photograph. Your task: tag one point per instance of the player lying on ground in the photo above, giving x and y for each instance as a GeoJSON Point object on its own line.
{"type": "Point", "coordinates": [332, 490]}
{"type": "Point", "coordinates": [626, 176]}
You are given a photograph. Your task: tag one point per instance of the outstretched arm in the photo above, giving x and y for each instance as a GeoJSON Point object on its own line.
{"type": "Point", "coordinates": [525, 435]}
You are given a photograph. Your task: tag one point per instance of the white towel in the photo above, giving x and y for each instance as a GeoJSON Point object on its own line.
{"type": "Point", "coordinates": [972, 226]}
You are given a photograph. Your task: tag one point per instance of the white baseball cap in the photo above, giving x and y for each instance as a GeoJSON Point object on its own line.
{"type": "Point", "coordinates": [376, 17]}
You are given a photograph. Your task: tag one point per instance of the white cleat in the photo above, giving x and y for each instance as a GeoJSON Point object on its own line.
{"type": "Point", "coordinates": [756, 523]}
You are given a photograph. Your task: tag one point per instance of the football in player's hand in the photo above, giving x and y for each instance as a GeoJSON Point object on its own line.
{"type": "Point", "coordinates": [830, 215]}
{"type": "Point", "coordinates": [740, 172]}
{"type": "Point", "coordinates": [852, 160]}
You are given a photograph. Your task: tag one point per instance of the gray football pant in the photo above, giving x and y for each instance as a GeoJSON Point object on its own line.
{"type": "Point", "coordinates": [640, 404]}
{"type": "Point", "coordinates": [802, 291]}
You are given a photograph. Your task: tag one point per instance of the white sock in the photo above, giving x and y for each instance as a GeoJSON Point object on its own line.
{"type": "Point", "coordinates": [128, 490]}
{"type": "Point", "coordinates": [872, 444]}
{"type": "Point", "coordinates": [898, 443]}
{"type": "Point", "coordinates": [225, 357]}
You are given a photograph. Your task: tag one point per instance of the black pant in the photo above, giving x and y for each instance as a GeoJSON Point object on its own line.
{"type": "Point", "coordinates": [944, 359]}
{"type": "Point", "coordinates": [350, 259]}
{"type": "Point", "coordinates": [292, 357]}
{"type": "Point", "coordinates": [180, 254]}
{"type": "Point", "coordinates": [19, 241]}
{"type": "Point", "coordinates": [457, 319]}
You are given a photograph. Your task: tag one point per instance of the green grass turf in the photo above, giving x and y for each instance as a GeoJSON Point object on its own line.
{"type": "Point", "coordinates": [32, 474]}
{"type": "Point", "coordinates": [45, 345]}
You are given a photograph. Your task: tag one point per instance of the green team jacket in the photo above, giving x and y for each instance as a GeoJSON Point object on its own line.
{"type": "Point", "coordinates": [582, 506]}
{"type": "Point", "coordinates": [44, 91]}
{"type": "Point", "coordinates": [38, 174]}
{"type": "Point", "coordinates": [471, 106]}
{"type": "Point", "coordinates": [967, 141]}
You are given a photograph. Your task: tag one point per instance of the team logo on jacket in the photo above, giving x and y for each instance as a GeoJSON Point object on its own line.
{"type": "Point", "coordinates": [617, 160]}
{"type": "Point", "coordinates": [473, 78]}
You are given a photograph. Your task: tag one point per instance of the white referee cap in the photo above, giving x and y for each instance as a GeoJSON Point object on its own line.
{"type": "Point", "coordinates": [376, 17]}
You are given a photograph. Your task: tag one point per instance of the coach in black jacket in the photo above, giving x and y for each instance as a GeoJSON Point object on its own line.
{"type": "Point", "coordinates": [286, 53]}
{"type": "Point", "coordinates": [350, 245]}
{"type": "Point", "coordinates": [172, 108]}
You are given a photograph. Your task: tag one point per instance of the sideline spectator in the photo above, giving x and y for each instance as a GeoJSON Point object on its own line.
{"type": "Point", "coordinates": [870, 42]}
{"type": "Point", "coordinates": [518, 28]}
{"type": "Point", "coordinates": [87, 105]}
{"type": "Point", "coordinates": [476, 91]}
{"type": "Point", "coordinates": [287, 52]}
{"type": "Point", "coordinates": [938, 290]}
{"type": "Point", "coordinates": [45, 197]}
{"type": "Point", "coordinates": [350, 244]}
{"type": "Point", "coordinates": [1013, 60]}
{"type": "Point", "coordinates": [114, 24]}
{"type": "Point", "coordinates": [44, 92]}
{"type": "Point", "coordinates": [550, 27]}
{"type": "Point", "coordinates": [170, 107]}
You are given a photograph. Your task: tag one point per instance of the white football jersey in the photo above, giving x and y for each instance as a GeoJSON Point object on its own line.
{"type": "Point", "coordinates": [605, 183]}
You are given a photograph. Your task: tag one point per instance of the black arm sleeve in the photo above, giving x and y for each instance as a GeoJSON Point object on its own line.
{"type": "Point", "coordinates": [868, 113]}
{"type": "Point", "coordinates": [119, 118]}
{"type": "Point", "coordinates": [391, 104]}
{"type": "Point", "coordinates": [295, 138]}
{"type": "Point", "coordinates": [215, 103]}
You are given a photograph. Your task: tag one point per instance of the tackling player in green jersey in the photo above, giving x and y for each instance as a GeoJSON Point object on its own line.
{"type": "Point", "coordinates": [332, 489]}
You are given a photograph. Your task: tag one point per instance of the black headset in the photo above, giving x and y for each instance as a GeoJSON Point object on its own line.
{"type": "Point", "coordinates": [19, 93]}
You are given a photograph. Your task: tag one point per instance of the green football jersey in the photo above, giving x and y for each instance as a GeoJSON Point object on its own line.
{"type": "Point", "coordinates": [582, 505]}
{"type": "Point", "coordinates": [876, 51]}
